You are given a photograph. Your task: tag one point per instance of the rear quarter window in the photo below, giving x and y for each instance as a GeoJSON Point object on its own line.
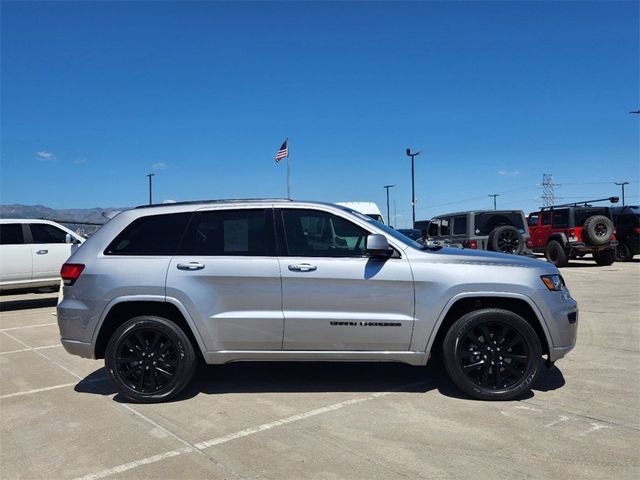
{"type": "Point", "coordinates": [485, 223]}
{"type": "Point", "coordinates": [152, 235]}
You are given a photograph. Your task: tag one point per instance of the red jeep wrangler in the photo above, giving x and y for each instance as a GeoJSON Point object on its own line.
{"type": "Point", "coordinates": [569, 231]}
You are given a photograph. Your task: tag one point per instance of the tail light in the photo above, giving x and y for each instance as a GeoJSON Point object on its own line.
{"type": "Point", "coordinates": [473, 244]}
{"type": "Point", "coordinates": [637, 230]}
{"type": "Point", "coordinates": [70, 272]}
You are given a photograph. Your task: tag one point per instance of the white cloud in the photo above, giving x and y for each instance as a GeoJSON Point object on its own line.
{"type": "Point", "coordinates": [508, 173]}
{"type": "Point", "coordinates": [160, 166]}
{"type": "Point", "coordinates": [45, 156]}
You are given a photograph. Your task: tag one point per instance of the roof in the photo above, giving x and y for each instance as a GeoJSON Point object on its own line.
{"type": "Point", "coordinates": [456, 214]}
{"type": "Point", "coordinates": [229, 200]}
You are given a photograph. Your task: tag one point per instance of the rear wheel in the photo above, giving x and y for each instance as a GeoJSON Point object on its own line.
{"type": "Point", "coordinates": [150, 359]}
{"type": "Point", "coordinates": [623, 253]}
{"type": "Point", "coordinates": [605, 257]}
{"type": "Point", "coordinates": [492, 354]}
{"type": "Point", "coordinates": [556, 254]}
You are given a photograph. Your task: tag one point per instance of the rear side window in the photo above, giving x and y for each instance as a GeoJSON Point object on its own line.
{"type": "Point", "coordinates": [231, 233]}
{"type": "Point", "coordinates": [152, 235]}
{"type": "Point", "coordinates": [43, 233]}
{"type": "Point", "coordinates": [560, 218]}
{"type": "Point", "coordinates": [433, 227]}
{"type": "Point", "coordinates": [459, 225]}
{"type": "Point", "coordinates": [11, 234]}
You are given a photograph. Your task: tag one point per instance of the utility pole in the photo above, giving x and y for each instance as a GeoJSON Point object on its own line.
{"type": "Point", "coordinates": [622, 184]}
{"type": "Point", "coordinates": [494, 195]}
{"type": "Point", "coordinates": [387, 187]}
{"type": "Point", "coordinates": [150, 197]}
{"type": "Point", "coordinates": [413, 185]}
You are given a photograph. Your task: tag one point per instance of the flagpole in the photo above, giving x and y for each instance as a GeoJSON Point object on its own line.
{"type": "Point", "coordinates": [288, 170]}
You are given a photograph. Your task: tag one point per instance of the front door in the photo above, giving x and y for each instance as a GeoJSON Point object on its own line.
{"type": "Point", "coordinates": [228, 277]}
{"type": "Point", "coordinates": [334, 296]}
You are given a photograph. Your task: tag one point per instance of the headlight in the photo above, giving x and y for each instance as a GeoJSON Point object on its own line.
{"type": "Point", "coordinates": [553, 282]}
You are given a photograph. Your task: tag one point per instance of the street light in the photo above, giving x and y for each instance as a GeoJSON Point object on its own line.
{"type": "Point", "coordinates": [413, 185]}
{"type": "Point", "coordinates": [622, 184]}
{"type": "Point", "coordinates": [387, 187]}
{"type": "Point", "coordinates": [150, 199]}
{"type": "Point", "coordinates": [494, 195]}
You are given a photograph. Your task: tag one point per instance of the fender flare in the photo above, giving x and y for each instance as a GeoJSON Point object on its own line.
{"type": "Point", "coordinates": [146, 298]}
{"type": "Point", "coordinates": [516, 296]}
{"type": "Point", "coordinates": [557, 236]}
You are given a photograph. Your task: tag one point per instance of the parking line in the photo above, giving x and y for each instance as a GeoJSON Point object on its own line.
{"type": "Point", "coordinates": [28, 326]}
{"type": "Point", "coordinates": [240, 434]}
{"type": "Point", "coordinates": [37, 390]}
{"type": "Point", "coordinates": [29, 349]}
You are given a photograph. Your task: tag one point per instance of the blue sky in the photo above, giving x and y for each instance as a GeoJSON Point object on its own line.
{"type": "Point", "coordinates": [97, 95]}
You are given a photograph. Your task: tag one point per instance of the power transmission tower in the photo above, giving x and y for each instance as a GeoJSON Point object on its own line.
{"type": "Point", "coordinates": [548, 195]}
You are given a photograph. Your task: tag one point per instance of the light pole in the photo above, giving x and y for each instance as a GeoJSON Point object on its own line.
{"type": "Point", "coordinates": [150, 198]}
{"type": "Point", "coordinates": [387, 187]}
{"type": "Point", "coordinates": [622, 184]}
{"type": "Point", "coordinates": [413, 185]}
{"type": "Point", "coordinates": [494, 195]}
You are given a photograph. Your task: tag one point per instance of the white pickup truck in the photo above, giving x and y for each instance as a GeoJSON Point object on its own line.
{"type": "Point", "coordinates": [32, 252]}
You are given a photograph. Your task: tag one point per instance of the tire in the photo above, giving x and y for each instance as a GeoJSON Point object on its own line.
{"type": "Point", "coordinates": [605, 257]}
{"type": "Point", "coordinates": [623, 253]}
{"type": "Point", "coordinates": [598, 230]}
{"type": "Point", "coordinates": [506, 239]}
{"type": "Point", "coordinates": [505, 339]}
{"type": "Point", "coordinates": [556, 254]}
{"type": "Point", "coordinates": [149, 359]}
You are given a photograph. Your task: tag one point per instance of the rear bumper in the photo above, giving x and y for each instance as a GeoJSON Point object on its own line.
{"type": "Point", "coordinates": [75, 347]}
{"type": "Point", "coordinates": [583, 247]}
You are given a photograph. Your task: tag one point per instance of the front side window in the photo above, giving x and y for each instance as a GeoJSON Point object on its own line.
{"type": "Point", "coordinates": [44, 233]}
{"type": "Point", "coordinates": [533, 220]}
{"type": "Point", "coordinates": [152, 235]}
{"type": "Point", "coordinates": [310, 233]}
{"type": "Point", "coordinates": [444, 227]}
{"type": "Point", "coordinates": [11, 234]}
{"type": "Point", "coordinates": [231, 233]}
{"type": "Point", "coordinates": [546, 218]}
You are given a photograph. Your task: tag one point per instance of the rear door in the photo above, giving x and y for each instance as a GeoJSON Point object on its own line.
{"type": "Point", "coordinates": [334, 296]}
{"type": "Point", "coordinates": [228, 277]}
{"type": "Point", "coordinates": [15, 254]}
{"type": "Point", "coordinates": [49, 250]}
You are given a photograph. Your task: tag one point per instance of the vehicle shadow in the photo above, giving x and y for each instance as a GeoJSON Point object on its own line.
{"type": "Point", "coordinates": [11, 305]}
{"type": "Point", "coordinates": [315, 377]}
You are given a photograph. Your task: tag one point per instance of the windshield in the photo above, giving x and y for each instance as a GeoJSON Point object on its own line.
{"type": "Point", "coordinates": [388, 230]}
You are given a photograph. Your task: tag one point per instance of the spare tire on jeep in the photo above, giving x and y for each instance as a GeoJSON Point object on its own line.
{"type": "Point", "coordinates": [598, 229]}
{"type": "Point", "coordinates": [506, 239]}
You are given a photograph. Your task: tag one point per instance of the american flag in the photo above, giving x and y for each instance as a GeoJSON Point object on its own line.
{"type": "Point", "coordinates": [283, 152]}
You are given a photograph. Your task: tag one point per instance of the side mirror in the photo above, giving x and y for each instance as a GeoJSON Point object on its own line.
{"type": "Point", "coordinates": [378, 246]}
{"type": "Point", "coordinates": [68, 238]}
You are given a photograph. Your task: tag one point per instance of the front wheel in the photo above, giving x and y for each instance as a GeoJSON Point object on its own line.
{"type": "Point", "coordinates": [149, 359]}
{"type": "Point", "coordinates": [492, 354]}
{"type": "Point", "coordinates": [556, 254]}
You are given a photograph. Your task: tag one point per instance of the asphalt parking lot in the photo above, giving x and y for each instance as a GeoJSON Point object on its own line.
{"type": "Point", "coordinates": [62, 419]}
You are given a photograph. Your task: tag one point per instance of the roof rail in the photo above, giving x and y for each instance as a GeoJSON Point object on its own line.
{"type": "Point", "coordinates": [228, 200]}
{"type": "Point", "coordinates": [584, 203]}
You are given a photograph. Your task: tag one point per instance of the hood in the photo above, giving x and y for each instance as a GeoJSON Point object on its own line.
{"type": "Point", "coordinates": [481, 257]}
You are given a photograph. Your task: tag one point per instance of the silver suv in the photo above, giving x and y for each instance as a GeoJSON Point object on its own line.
{"type": "Point", "coordinates": [158, 287]}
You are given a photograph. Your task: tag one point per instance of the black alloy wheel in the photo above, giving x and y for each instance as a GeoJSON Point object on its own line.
{"type": "Point", "coordinates": [147, 360]}
{"type": "Point", "coordinates": [492, 354]}
{"type": "Point", "coordinates": [150, 359]}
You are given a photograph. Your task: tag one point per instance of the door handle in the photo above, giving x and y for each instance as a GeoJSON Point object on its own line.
{"type": "Point", "coordinates": [190, 266]}
{"type": "Point", "coordinates": [303, 267]}
{"type": "Point", "coordinates": [42, 252]}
